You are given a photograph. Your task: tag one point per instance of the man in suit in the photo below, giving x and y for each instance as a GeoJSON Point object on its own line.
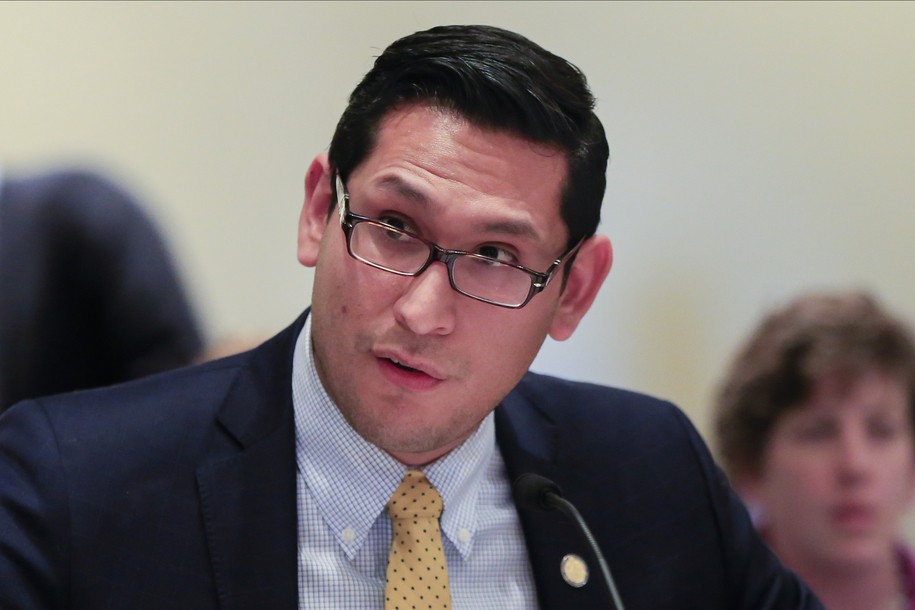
{"type": "Point", "coordinates": [89, 295]}
{"type": "Point", "coordinates": [452, 228]}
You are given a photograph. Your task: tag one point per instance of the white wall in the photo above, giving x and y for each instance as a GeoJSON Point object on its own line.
{"type": "Point", "coordinates": [758, 149]}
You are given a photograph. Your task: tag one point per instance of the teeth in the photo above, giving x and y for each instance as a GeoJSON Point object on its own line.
{"type": "Point", "coordinates": [402, 365]}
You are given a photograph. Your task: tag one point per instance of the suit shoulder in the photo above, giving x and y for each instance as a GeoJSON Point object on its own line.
{"type": "Point", "coordinates": [583, 399]}
{"type": "Point", "coordinates": [597, 417]}
{"type": "Point", "coordinates": [174, 398]}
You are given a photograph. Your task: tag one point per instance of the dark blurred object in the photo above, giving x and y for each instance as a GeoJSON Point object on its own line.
{"type": "Point", "coordinates": [89, 295]}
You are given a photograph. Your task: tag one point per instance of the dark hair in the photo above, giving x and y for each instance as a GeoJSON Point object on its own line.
{"type": "Point", "coordinates": [497, 80]}
{"type": "Point", "coordinates": [776, 370]}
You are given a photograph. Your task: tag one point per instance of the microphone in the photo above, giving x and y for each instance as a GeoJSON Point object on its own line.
{"type": "Point", "coordinates": [534, 492]}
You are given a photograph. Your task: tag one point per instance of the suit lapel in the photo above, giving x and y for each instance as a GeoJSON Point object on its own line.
{"type": "Point", "coordinates": [531, 442]}
{"type": "Point", "coordinates": [248, 490]}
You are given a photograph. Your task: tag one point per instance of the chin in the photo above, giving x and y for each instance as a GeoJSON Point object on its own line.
{"type": "Point", "coordinates": [861, 554]}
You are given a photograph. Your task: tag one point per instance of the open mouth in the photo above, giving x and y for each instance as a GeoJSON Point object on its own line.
{"type": "Point", "coordinates": [409, 377]}
{"type": "Point", "coordinates": [404, 367]}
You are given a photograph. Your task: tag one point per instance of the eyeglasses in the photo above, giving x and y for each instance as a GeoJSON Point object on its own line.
{"type": "Point", "coordinates": [390, 248]}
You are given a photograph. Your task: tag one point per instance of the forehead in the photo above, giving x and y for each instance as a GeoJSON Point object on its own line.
{"type": "Point", "coordinates": [437, 159]}
{"type": "Point", "coordinates": [863, 392]}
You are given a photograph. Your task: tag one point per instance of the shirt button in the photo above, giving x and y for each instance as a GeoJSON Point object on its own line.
{"type": "Point", "coordinates": [349, 534]}
{"type": "Point", "coordinates": [464, 534]}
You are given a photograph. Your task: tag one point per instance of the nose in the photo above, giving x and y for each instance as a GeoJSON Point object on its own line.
{"type": "Point", "coordinates": [855, 457]}
{"type": "Point", "coordinates": [427, 305]}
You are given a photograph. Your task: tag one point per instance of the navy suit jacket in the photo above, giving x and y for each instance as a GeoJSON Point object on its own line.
{"type": "Point", "coordinates": [178, 491]}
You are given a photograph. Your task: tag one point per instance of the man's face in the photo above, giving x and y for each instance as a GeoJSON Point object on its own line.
{"type": "Point", "coordinates": [413, 365]}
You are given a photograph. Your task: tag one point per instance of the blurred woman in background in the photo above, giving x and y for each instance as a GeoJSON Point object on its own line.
{"type": "Point", "coordinates": [814, 422]}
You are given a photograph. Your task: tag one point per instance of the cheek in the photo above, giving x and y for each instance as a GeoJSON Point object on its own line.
{"type": "Point", "coordinates": [518, 338]}
{"type": "Point", "coordinates": [899, 478]}
{"type": "Point", "coordinates": [344, 287]}
{"type": "Point", "coordinates": [498, 346]}
{"type": "Point", "coordinates": [795, 483]}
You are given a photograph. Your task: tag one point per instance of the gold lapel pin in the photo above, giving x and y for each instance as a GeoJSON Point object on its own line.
{"type": "Point", "coordinates": [574, 570]}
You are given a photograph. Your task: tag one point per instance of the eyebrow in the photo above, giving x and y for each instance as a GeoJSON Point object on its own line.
{"type": "Point", "coordinates": [396, 184]}
{"type": "Point", "coordinates": [521, 228]}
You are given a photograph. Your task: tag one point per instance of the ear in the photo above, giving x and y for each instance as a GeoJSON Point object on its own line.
{"type": "Point", "coordinates": [910, 487]}
{"type": "Point", "coordinates": [315, 210]}
{"type": "Point", "coordinates": [587, 274]}
{"type": "Point", "coordinates": [750, 489]}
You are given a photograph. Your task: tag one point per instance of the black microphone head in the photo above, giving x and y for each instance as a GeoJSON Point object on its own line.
{"type": "Point", "coordinates": [530, 491]}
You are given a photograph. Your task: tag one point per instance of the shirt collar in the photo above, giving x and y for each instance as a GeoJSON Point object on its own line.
{"type": "Point", "coordinates": [331, 456]}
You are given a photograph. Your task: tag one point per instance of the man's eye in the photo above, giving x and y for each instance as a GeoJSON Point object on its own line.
{"type": "Point", "coordinates": [394, 221]}
{"type": "Point", "coordinates": [496, 253]}
{"type": "Point", "coordinates": [399, 224]}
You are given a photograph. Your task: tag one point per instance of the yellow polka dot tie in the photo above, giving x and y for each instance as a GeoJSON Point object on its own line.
{"type": "Point", "coordinates": [417, 574]}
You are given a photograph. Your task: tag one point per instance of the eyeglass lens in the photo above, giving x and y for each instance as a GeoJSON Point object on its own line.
{"type": "Point", "coordinates": [474, 275]}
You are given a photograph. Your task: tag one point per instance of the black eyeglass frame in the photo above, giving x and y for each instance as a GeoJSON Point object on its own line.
{"type": "Point", "coordinates": [348, 220]}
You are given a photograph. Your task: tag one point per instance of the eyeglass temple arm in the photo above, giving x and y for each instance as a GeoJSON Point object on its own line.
{"type": "Point", "coordinates": [342, 198]}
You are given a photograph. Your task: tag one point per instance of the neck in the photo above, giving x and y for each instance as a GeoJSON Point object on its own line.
{"type": "Point", "coordinates": [877, 586]}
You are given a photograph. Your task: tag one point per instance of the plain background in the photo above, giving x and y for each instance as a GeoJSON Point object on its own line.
{"type": "Point", "coordinates": [758, 150]}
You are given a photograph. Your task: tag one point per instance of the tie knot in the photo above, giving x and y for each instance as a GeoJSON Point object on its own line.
{"type": "Point", "coordinates": [415, 498]}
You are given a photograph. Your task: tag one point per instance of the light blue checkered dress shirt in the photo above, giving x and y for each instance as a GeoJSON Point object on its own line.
{"type": "Point", "coordinates": [343, 484]}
